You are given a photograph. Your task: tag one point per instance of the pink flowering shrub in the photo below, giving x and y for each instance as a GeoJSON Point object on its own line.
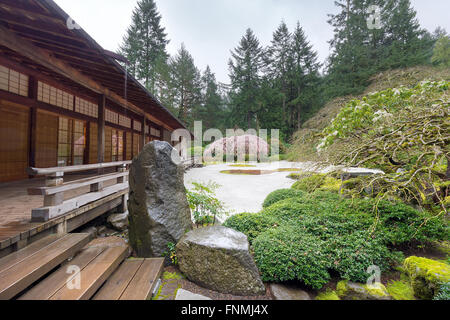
{"type": "Point", "coordinates": [240, 146]}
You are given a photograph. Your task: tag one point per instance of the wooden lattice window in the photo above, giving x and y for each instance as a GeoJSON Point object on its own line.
{"type": "Point", "coordinates": [13, 81]}
{"type": "Point", "coordinates": [54, 96]}
{"type": "Point", "coordinates": [124, 121]}
{"type": "Point", "coordinates": [111, 116]}
{"type": "Point", "coordinates": [71, 142]}
{"type": "Point", "coordinates": [155, 132]}
{"type": "Point", "coordinates": [117, 145]}
{"type": "Point", "coordinates": [86, 107]}
{"type": "Point", "coordinates": [137, 126]}
{"type": "Point", "coordinates": [79, 142]}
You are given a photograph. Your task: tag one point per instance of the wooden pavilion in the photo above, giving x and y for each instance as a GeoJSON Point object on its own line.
{"type": "Point", "coordinates": [64, 100]}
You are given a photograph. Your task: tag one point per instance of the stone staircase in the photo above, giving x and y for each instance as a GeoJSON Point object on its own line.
{"type": "Point", "coordinates": [71, 267]}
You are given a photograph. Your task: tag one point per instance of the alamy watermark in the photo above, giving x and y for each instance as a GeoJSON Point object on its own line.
{"type": "Point", "coordinates": [236, 145]}
{"type": "Point", "coordinates": [374, 19]}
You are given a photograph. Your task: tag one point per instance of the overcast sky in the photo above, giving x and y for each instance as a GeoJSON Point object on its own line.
{"type": "Point", "coordinates": [211, 28]}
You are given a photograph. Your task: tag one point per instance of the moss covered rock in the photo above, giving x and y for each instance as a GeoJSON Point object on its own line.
{"type": "Point", "coordinates": [400, 290]}
{"type": "Point", "coordinates": [426, 276]}
{"type": "Point", "coordinates": [347, 290]}
{"type": "Point", "coordinates": [328, 295]}
{"type": "Point", "coordinates": [315, 182]}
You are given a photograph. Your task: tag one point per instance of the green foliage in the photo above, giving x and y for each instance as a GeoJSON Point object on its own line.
{"type": "Point", "coordinates": [328, 296]}
{"type": "Point", "coordinates": [315, 182]}
{"type": "Point", "coordinates": [402, 132]}
{"type": "Point", "coordinates": [359, 52]}
{"type": "Point", "coordinates": [251, 224]}
{"type": "Point", "coordinates": [426, 275]}
{"type": "Point", "coordinates": [400, 290]}
{"type": "Point", "coordinates": [171, 253]}
{"type": "Point", "coordinates": [277, 86]}
{"type": "Point", "coordinates": [345, 235]}
{"type": "Point", "coordinates": [204, 204]}
{"type": "Point", "coordinates": [441, 53]}
{"type": "Point", "coordinates": [443, 293]}
{"type": "Point", "coordinates": [279, 195]}
{"type": "Point", "coordinates": [145, 43]}
{"type": "Point", "coordinates": [285, 254]}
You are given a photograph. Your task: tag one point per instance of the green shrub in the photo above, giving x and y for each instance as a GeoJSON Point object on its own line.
{"type": "Point", "coordinates": [281, 194]}
{"type": "Point", "coordinates": [353, 253]}
{"type": "Point", "coordinates": [284, 254]}
{"type": "Point", "coordinates": [443, 293]}
{"type": "Point", "coordinates": [310, 184]}
{"type": "Point", "coordinates": [402, 224]}
{"type": "Point", "coordinates": [346, 235]}
{"type": "Point", "coordinates": [251, 224]}
{"type": "Point", "coordinates": [315, 182]}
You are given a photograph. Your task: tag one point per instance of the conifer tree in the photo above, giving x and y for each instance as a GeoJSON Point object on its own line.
{"type": "Point", "coordinates": [211, 112]}
{"type": "Point", "coordinates": [145, 43]}
{"type": "Point", "coordinates": [185, 85]}
{"type": "Point", "coordinates": [245, 73]}
{"type": "Point", "coordinates": [304, 76]}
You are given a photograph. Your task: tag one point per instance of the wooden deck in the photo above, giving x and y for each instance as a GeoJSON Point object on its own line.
{"type": "Point", "coordinates": [16, 227]}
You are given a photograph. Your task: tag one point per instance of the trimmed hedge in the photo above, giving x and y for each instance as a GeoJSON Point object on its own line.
{"type": "Point", "coordinates": [346, 236]}
{"type": "Point", "coordinates": [284, 254]}
{"type": "Point", "coordinates": [281, 194]}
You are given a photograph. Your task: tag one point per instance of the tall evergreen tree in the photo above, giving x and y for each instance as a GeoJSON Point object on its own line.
{"type": "Point", "coordinates": [278, 64]}
{"type": "Point", "coordinates": [185, 85]}
{"type": "Point", "coordinates": [245, 74]}
{"type": "Point", "coordinates": [211, 111]}
{"type": "Point", "coordinates": [145, 43]}
{"type": "Point", "coordinates": [360, 51]}
{"type": "Point", "coordinates": [304, 76]}
{"type": "Point", "coordinates": [408, 44]}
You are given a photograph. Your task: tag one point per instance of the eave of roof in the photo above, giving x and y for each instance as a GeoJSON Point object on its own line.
{"type": "Point", "coordinates": [76, 47]}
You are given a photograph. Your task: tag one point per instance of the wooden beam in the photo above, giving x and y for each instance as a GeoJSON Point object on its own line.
{"type": "Point", "coordinates": [32, 94]}
{"type": "Point", "coordinates": [101, 130]}
{"type": "Point", "coordinates": [46, 59]}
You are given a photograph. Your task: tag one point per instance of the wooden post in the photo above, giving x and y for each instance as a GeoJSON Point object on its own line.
{"type": "Point", "coordinates": [143, 133]}
{"type": "Point", "coordinates": [101, 131]}
{"type": "Point", "coordinates": [54, 180]}
{"type": "Point", "coordinates": [32, 94]}
{"type": "Point", "coordinates": [122, 168]}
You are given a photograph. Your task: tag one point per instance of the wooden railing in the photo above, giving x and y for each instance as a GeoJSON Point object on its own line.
{"type": "Point", "coordinates": [55, 188]}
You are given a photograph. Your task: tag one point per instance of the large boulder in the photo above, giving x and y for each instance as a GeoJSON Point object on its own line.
{"type": "Point", "coordinates": [426, 276]}
{"type": "Point", "coordinates": [218, 258]}
{"type": "Point", "coordinates": [159, 212]}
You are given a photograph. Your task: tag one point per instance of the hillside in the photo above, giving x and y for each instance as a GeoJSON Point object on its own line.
{"type": "Point", "coordinates": [389, 79]}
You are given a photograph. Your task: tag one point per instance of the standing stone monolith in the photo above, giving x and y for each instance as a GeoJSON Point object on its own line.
{"type": "Point", "coordinates": [159, 212]}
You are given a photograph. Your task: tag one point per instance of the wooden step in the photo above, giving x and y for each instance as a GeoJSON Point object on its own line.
{"type": "Point", "coordinates": [134, 280]}
{"type": "Point", "coordinates": [23, 268]}
{"type": "Point", "coordinates": [94, 264]}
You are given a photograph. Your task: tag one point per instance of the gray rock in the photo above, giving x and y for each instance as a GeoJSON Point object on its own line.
{"type": "Point", "coordinates": [284, 292]}
{"type": "Point", "coordinates": [347, 290]}
{"type": "Point", "coordinates": [118, 221]}
{"type": "Point", "coordinates": [218, 258]}
{"type": "Point", "coordinates": [158, 209]}
{"type": "Point", "coordinates": [185, 295]}
{"type": "Point", "coordinates": [92, 231]}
